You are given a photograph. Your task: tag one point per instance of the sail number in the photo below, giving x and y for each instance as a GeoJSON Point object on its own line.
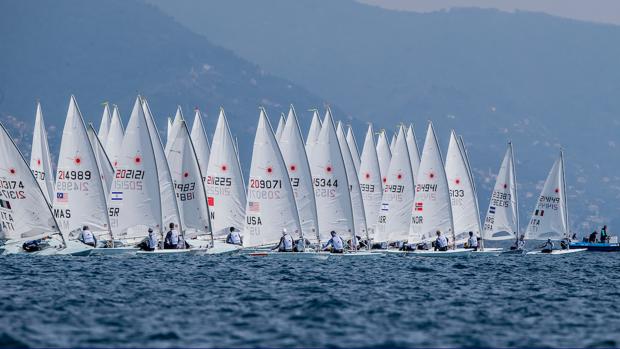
{"type": "Point", "coordinates": [323, 182]}
{"type": "Point", "coordinates": [129, 174]}
{"type": "Point", "coordinates": [368, 187]}
{"type": "Point", "coordinates": [265, 183]}
{"type": "Point", "coordinates": [8, 189]}
{"type": "Point", "coordinates": [457, 193]}
{"type": "Point", "coordinates": [426, 187]}
{"type": "Point", "coordinates": [216, 180]}
{"type": "Point", "coordinates": [394, 188]}
{"type": "Point", "coordinates": [40, 175]}
{"type": "Point", "coordinates": [73, 175]}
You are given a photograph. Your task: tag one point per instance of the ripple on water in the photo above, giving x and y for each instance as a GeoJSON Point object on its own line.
{"type": "Point", "coordinates": [240, 301]}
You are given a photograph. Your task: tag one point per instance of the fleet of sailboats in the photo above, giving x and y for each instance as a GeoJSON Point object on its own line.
{"type": "Point", "coordinates": [121, 184]}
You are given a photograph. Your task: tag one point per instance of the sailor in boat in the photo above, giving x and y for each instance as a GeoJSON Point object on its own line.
{"type": "Point", "coordinates": [300, 244]}
{"type": "Point", "coordinates": [408, 247]}
{"type": "Point", "coordinates": [472, 241]}
{"type": "Point", "coordinates": [604, 237]}
{"type": "Point", "coordinates": [547, 247]}
{"type": "Point", "coordinates": [441, 242]}
{"type": "Point", "coordinates": [171, 242]}
{"type": "Point", "coordinates": [36, 245]}
{"type": "Point", "coordinates": [335, 244]}
{"type": "Point", "coordinates": [150, 243]}
{"type": "Point", "coordinates": [234, 237]}
{"type": "Point", "coordinates": [87, 237]}
{"type": "Point", "coordinates": [286, 242]}
{"type": "Point", "coordinates": [564, 244]}
{"type": "Point", "coordinates": [592, 238]}
{"type": "Point", "coordinates": [182, 243]}
{"type": "Point", "coordinates": [519, 244]}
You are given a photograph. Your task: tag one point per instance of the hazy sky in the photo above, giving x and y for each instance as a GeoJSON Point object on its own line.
{"type": "Point", "coordinates": [604, 11]}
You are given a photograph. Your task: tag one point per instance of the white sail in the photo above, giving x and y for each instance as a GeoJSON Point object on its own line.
{"type": "Point", "coordinates": [550, 217]}
{"type": "Point", "coordinates": [169, 207]}
{"type": "Point", "coordinates": [201, 143]}
{"type": "Point", "coordinates": [384, 155]}
{"type": "Point", "coordinates": [271, 203]}
{"type": "Point", "coordinates": [393, 142]}
{"type": "Point", "coordinates": [502, 219]}
{"type": "Point", "coordinates": [331, 187]}
{"type": "Point", "coordinates": [281, 123]}
{"type": "Point", "coordinates": [431, 209]}
{"type": "Point", "coordinates": [313, 132]}
{"type": "Point", "coordinates": [355, 191]}
{"type": "Point", "coordinates": [106, 170]}
{"type": "Point", "coordinates": [355, 154]}
{"type": "Point", "coordinates": [174, 127]}
{"type": "Point", "coordinates": [370, 181]}
{"type": "Point", "coordinates": [24, 211]}
{"type": "Point", "coordinates": [114, 142]}
{"type": "Point", "coordinates": [168, 129]}
{"type": "Point", "coordinates": [104, 126]}
{"type": "Point", "coordinates": [225, 185]}
{"type": "Point", "coordinates": [79, 197]}
{"type": "Point", "coordinates": [414, 153]}
{"type": "Point", "coordinates": [294, 154]}
{"type": "Point", "coordinates": [134, 201]}
{"type": "Point", "coordinates": [40, 158]}
{"type": "Point", "coordinates": [188, 183]}
{"type": "Point", "coordinates": [463, 196]}
{"type": "Point", "coordinates": [397, 201]}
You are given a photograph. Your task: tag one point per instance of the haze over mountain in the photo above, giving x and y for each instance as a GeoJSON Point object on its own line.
{"type": "Point", "coordinates": [536, 79]}
{"type": "Point", "coordinates": [113, 50]}
{"type": "Point", "coordinates": [542, 81]}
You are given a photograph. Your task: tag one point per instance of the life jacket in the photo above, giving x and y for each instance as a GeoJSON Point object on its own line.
{"type": "Point", "coordinates": [287, 242]}
{"type": "Point", "coordinates": [441, 241]}
{"type": "Point", "coordinates": [337, 243]}
{"type": "Point", "coordinates": [152, 241]}
{"type": "Point", "coordinates": [473, 242]}
{"type": "Point", "coordinates": [88, 237]}
{"type": "Point", "coordinates": [235, 238]}
{"type": "Point", "coordinates": [174, 237]}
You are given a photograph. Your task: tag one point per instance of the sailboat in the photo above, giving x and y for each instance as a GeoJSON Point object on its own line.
{"type": "Point", "coordinates": [384, 155]}
{"type": "Point", "coordinates": [24, 211]}
{"type": "Point", "coordinates": [104, 126]}
{"type": "Point", "coordinates": [432, 210]}
{"type": "Point", "coordinates": [114, 141]}
{"type": "Point", "coordinates": [550, 217]}
{"type": "Point", "coordinates": [355, 154]}
{"type": "Point", "coordinates": [331, 185]}
{"type": "Point", "coordinates": [169, 207]}
{"type": "Point", "coordinates": [313, 132]}
{"type": "Point", "coordinates": [271, 206]}
{"type": "Point", "coordinates": [190, 189]}
{"type": "Point", "coordinates": [370, 181]}
{"type": "Point", "coordinates": [464, 202]}
{"type": "Point", "coordinates": [398, 194]}
{"type": "Point", "coordinates": [294, 155]}
{"type": "Point", "coordinates": [281, 123]}
{"type": "Point", "coordinates": [79, 190]}
{"type": "Point", "coordinates": [40, 158]}
{"type": "Point", "coordinates": [134, 200]}
{"type": "Point", "coordinates": [355, 191]}
{"type": "Point", "coordinates": [225, 185]}
{"type": "Point", "coordinates": [414, 153]}
{"type": "Point", "coordinates": [502, 218]}
{"type": "Point", "coordinates": [106, 170]}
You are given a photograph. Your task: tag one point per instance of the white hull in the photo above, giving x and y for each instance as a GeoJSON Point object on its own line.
{"type": "Point", "coordinates": [112, 251]}
{"type": "Point", "coordinates": [430, 253]}
{"type": "Point", "coordinates": [160, 252]}
{"type": "Point", "coordinates": [556, 252]}
{"type": "Point", "coordinates": [494, 250]}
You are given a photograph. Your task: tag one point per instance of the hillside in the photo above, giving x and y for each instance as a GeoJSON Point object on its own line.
{"type": "Point", "coordinates": [541, 81]}
{"type": "Point", "coordinates": [110, 51]}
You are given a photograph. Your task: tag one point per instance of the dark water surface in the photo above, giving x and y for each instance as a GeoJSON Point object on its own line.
{"type": "Point", "coordinates": [206, 301]}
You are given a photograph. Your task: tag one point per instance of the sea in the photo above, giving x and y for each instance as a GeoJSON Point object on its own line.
{"type": "Point", "coordinates": [244, 301]}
